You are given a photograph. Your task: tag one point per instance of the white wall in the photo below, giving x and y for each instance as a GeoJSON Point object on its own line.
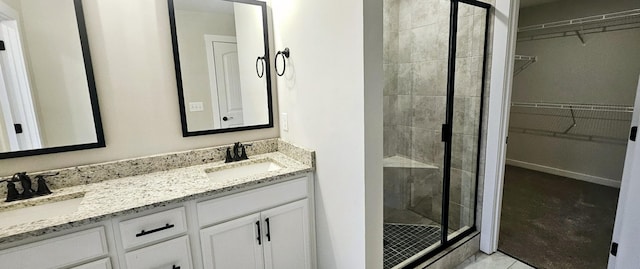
{"type": "Point", "coordinates": [59, 80]}
{"type": "Point", "coordinates": [250, 38]}
{"type": "Point", "coordinates": [133, 59]}
{"type": "Point", "coordinates": [604, 71]}
{"type": "Point", "coordinates": [191, 27]}
{"type": "Point", "coordinates": [324, 94]}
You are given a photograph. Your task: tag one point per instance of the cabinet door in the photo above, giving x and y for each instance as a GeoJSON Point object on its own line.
{"type": "Point", "coordinates": [172, 254]}
{"type": "Point", "coordinates": [235, 244]}
{"type": "Point", "coordinates": [287, 243]}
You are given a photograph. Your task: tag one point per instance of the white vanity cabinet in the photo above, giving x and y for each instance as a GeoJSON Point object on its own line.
{"type": "Point", "coordinates": [58, 252]}
{"type": "Point", "coordinates": [271, 229]}
{"type": "Point", "coordinates": [265, 227]}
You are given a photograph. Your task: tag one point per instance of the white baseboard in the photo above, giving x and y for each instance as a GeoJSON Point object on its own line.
{"type": "Point", "coordinates": [565, 173]}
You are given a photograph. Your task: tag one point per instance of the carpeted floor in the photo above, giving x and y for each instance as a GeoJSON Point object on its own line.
{"type": "Point", "coordinates": [555, 222]}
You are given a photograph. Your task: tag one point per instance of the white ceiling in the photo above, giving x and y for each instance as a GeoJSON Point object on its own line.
{"type": "Point", "coordinates": [530, 3]}
{"type": "Point", "coordinates": [218, 6]}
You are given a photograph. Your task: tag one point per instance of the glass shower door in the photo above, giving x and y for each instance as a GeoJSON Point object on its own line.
{"type": "Point", "coordinates": [468, 85]}
{"type": "Point", "coordinates": [434, 58]}
{"type": "Point", "coordinates": [415, 101]}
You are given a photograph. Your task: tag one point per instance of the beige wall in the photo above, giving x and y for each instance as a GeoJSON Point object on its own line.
{"type": "Point", "coordinates": [132, 53]}
{"type": "Point", "coordinates": [59, 82]}
{"type": "Point", "coordinates": [191, 28]}
{"type": "Point", "coordinates": [604, 71]}
{"type": "Point", "coordinates": [15, 4]}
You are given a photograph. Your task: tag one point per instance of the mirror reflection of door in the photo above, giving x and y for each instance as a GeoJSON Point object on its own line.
{"type": "Point", "coordinates": [223, 84]}
{"type": "Point", "coordinates": [224, 73]}
{"type": "Point", "coordinates": [18, 124]}
{"type": "Point", "coordinates": [47, 95]}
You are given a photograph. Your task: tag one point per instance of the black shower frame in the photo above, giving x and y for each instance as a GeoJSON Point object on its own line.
{"type": "Point", "coordinates": [447, 130]}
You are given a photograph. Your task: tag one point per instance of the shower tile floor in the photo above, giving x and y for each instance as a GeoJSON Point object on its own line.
{"type": "Point", "coordinates": [402, 241]}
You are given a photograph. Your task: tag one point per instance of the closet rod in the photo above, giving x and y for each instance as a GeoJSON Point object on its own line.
{"type": "Point", "coordinates": [582, 107]}
{"type": "Point", "coordinates": [616, 16]}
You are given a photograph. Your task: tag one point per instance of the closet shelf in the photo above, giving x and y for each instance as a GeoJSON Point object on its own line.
{"type": "Point", "coordinates": [526, 58]}
{"type": "Point", "coordinates": [577, 27]}
{"type": "Point", "coordinates": [588, 122]}
{"type": "Point", "coordinates": [575, 106]}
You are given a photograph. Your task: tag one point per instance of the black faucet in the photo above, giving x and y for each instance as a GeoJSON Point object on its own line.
{"type": "Point", "coordinates": [12, 192]}
{"type": "Point", "coordinates": [238, 153]}
{"type": "Point", "coordinates": [25, 181]}
{"type": "Point", "coordinates": [27, 191]}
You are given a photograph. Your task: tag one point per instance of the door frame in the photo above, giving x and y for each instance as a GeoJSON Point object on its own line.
{"type": "Point", "coordinates": [505, 28]}
{"type": "Point", "coordinates": [213, 81]}
{"type": "Point", "coordinates": [505, 33]}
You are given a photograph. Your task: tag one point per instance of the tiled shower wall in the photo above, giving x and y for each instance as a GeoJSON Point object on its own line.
{"type": "Point", "coordinates": [416, 34]}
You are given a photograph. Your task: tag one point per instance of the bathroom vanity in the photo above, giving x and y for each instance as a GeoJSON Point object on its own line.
{"type": "Point", "coordinates": [187, 210]}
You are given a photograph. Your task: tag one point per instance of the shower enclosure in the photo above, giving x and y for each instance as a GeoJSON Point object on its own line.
{"type": "Point", "coordinates": [434, 62]}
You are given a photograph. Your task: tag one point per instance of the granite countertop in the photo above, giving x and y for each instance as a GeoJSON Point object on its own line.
{"type": "Point", "coordinates": [121, 196]}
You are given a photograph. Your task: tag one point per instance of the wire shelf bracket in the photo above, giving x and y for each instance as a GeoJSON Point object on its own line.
{"type": "Point", "coordinates": [529, 60]}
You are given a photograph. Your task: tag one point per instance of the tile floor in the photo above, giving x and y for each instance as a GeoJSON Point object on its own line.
{"type": "Point", "coordinates": [402, 241]}
{"type": "Point", "coordinates": [496, 261]}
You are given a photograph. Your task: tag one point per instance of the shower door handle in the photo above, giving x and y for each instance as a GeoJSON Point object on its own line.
{"type": "Point", "coordinates": [446, 133]}
{"type": "Point", "coordinates": [634, 133]}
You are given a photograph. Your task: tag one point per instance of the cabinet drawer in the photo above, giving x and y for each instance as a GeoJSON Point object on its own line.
{"type": "Point", "coordinates": [238, 205]}
{"type": "Point", "coordinates": [170, 254]}
{"type": "Point", "coordinates": [101, 264]}
{"type": "Point", "coordinates": [153, 228]}
{"type": "Point", "coordinates": [57, 252]}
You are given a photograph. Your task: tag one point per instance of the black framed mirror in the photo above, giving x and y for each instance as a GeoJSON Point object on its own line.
{"type": "Point", "coordinates": [48, 98]}
{"type": "Point", "coordinates": [221, 56]}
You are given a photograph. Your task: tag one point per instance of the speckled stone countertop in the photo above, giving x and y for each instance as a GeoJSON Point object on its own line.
{"type": "Point", "coordinates": [125, 195]}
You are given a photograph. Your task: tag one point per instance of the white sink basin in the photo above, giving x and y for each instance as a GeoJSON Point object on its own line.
{"type": "Point", "coordinates": [244, 170]}
{"type": "Point", "coordinates": [40, 212]}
